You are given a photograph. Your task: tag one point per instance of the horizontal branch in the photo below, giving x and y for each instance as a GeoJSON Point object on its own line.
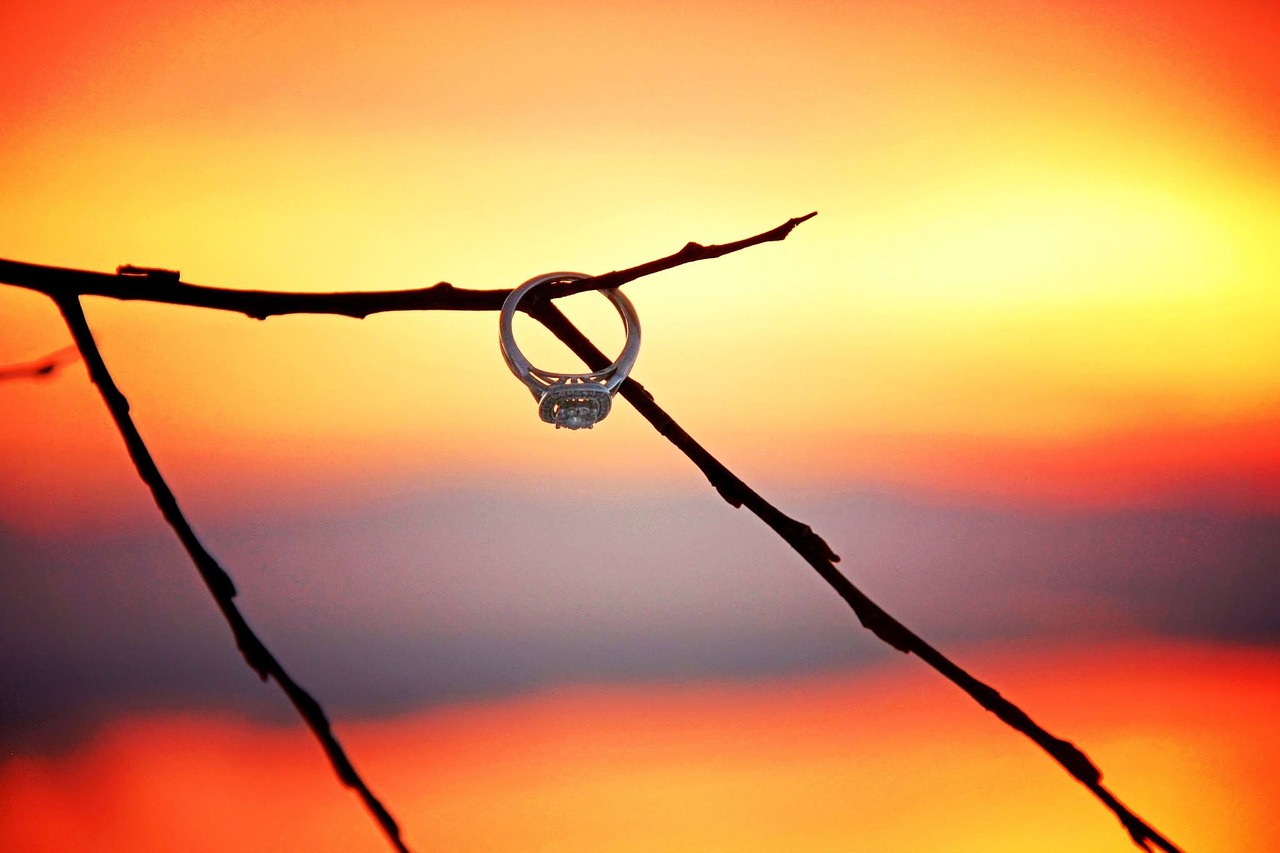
{"type": "Point", "coordinates": [164, 286]}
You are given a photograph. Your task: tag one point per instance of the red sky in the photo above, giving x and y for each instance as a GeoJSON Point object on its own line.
{"type": "Point", "coordinates": [889, 760]}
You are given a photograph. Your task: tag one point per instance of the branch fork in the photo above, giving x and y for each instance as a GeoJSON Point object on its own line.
{"type": "Point", "coordinates": [66, 287]}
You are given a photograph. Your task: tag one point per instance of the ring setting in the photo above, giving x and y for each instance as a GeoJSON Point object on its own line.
{"type": "Point", "coordinates": [570, 400]}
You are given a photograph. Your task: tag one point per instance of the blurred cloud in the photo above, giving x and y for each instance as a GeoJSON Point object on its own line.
{"type": "Point", "coordinates": [463, 595]}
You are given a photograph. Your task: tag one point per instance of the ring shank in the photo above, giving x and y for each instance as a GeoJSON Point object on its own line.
{"type": "Point", "coordinates": [539, 380]}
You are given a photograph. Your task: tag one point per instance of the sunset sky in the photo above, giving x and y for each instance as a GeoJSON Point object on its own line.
{"type": "Point", "coordinates": [1021, 371]}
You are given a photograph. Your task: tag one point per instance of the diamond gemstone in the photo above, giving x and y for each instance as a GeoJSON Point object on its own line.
{"type": "Point", "coordinates": [576, 406]}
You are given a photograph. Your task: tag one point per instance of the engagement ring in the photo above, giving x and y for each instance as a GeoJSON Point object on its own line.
{"type": "Point", "coordinates": [570, 400]}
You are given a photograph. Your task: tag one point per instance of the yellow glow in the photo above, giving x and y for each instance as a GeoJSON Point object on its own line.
{"type": "Point", "coordinates": [1033, 228]}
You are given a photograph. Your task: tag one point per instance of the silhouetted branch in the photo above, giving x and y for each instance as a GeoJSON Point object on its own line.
{"type": "Point", "coordinates": [218, 581]}
{"type": "Point", "coordinates": [153, 285]}
{"type": "Point", "coordinates": [814, 549]}
{"type": "Point", "coordinates": [41, 368]}
{"type": "Point", "coordinates": [66, 286]}
{"type": "Point", "coordinates": [690, 252]}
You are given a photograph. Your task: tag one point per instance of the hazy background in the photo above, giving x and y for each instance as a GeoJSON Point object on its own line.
{"type": "Point", "coordinates": [466, 596]}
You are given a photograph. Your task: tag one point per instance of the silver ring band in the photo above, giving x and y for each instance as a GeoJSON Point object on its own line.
{"type": "Point", "coordinates": [570, 400]}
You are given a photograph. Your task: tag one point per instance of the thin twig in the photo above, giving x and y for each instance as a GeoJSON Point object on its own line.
{"type": "Point", "coordinates": [66, 286]}
{"type": "Point", "coordinates": [815, 551]}
{"type": "Point", "coordinates": [60, 282]}
{"type": "Point", "coordinates": [690, 252]}
{"type": "Point", "coordinates": [216, 579]}
{"type": "Point", "coordinates": [41, 368]}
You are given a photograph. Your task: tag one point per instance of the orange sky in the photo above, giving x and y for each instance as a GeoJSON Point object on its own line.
{"type": "Point", "coordinates": [889, 761]}
{"type": "Point", "coordinates": [1044, 273]}
{"type": "Point", "coordinates": [1047, 231]}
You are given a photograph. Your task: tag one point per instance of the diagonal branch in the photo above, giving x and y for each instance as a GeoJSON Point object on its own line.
{"type": "Point", "coordinates": [219, 583]}
{"type": "Point", "coordinates": [819, 555]}
{"type": "Point", "coordinates": [151, 285]}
